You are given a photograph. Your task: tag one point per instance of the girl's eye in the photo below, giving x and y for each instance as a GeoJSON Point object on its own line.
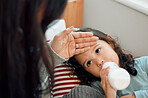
{"type": "Point", "coordinates": [89, 63]}
{"type": "Point", "coordinates": [97, 50]}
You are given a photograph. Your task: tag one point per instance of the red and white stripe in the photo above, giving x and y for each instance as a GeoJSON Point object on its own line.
{"type": "Point", "coordinates": [64, 80]}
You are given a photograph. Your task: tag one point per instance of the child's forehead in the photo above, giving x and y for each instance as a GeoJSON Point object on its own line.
{"type": "Point", "coordinates": [91, 48]}
{"type": "Point", "coordinates": [100, 42]}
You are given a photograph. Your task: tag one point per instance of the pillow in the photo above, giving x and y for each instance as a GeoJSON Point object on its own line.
{"type": "Point", "coordinates": [64, 80]}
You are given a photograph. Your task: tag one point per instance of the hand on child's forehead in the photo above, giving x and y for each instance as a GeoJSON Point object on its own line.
{"type": "Point", "coordinates": [98, 43]}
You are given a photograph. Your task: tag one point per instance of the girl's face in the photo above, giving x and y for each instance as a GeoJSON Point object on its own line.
{"type": "Point", "coordinates": [93, 59]}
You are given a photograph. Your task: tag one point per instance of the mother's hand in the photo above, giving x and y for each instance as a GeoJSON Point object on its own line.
{"type": "Point", "coordinates": [64, 44]}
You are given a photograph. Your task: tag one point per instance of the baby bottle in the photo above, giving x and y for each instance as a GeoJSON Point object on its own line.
{"type": "Point", "coordinates": [118, 77]}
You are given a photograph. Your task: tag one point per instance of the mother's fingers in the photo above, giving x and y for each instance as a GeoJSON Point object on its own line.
{"type": "Point", "coordinates": [82, 34]}
{"type": "Point", "coordinates": [77, 51]}
{"type": "Point", "coordinates": [65, 32]}
{"type": "Point", "coordinates": [84, 45]}
{"type": "Point", "coordinates": [88, 39]}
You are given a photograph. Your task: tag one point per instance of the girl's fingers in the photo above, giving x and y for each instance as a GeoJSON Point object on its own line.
{"type": "Point", "coordinates": [104, 77]}
{"type": "Point", "coordinates": [107, 71]}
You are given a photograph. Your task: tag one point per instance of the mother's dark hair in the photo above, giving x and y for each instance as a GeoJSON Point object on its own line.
{"type": "Point", "coordinates": [22, 45]}
{"type": "Point", "coordinates": [126, 60]}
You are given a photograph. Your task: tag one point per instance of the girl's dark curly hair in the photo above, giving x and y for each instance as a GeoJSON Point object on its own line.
{"type": "Point", "coordinates": [126, 60]}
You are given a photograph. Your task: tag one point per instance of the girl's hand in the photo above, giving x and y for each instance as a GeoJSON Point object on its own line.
{"type": "Point", "coordinates": [109, 91]}
{"type": "Point", "coordinates": [64, 44]}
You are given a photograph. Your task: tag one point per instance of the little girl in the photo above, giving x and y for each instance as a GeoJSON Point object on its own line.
{"type": "Point", "coordinates": [88, 67]}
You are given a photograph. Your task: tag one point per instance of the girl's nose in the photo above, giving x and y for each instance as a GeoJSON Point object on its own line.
{"type": "Point", "coordinates": [100, 62]}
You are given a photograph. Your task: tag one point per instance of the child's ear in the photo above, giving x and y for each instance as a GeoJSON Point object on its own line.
{"type": "Point", "coordinates": [109, 36]}
{"type": "Point", "coordinates": [111, 44]}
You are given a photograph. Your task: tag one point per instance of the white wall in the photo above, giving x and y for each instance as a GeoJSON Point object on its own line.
{"type": "Point", "coordinates": [130, 26]}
